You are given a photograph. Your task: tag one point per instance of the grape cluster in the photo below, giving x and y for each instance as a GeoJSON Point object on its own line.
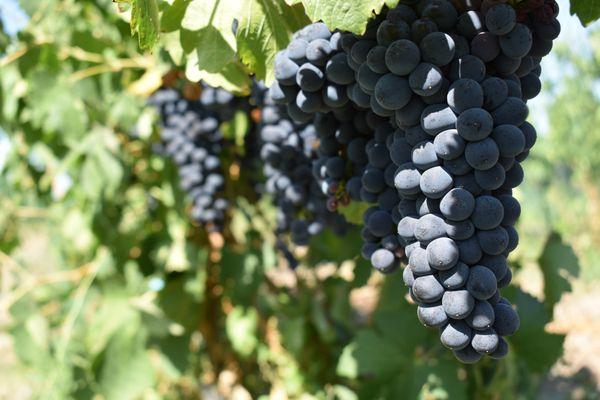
{"type": "Point", "coordinates": [453, 78]}
{"type": "Point", "coordinates": [288, 149]}
{"type": "Point", "coordinates": [312, 73]}
{"type": "Point", "coordinates": [191, 137]}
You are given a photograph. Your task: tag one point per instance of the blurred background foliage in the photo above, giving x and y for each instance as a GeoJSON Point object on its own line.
{"type": "Point", "coordinates": [108, 292]}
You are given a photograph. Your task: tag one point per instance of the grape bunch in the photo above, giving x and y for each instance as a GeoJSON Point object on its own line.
{"type": "Point", "coordinates": [312, 79]}
{"type": "Point", "coordinates": [454, 82]}
{"type": "Point", "coordinates": [191, 137]}
{"type": "Point", "coordinates": [443, 88]}
{"type": "Point", "coordinates": [287, 150]}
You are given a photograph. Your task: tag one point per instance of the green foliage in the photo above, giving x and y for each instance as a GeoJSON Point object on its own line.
{"type": "Point", "coordinates": [144, 21]}
{"type": "Point", "coordinates": [111, 292]}
{"type": "Point", "coordinates": [201, 32]}
{"type": "Point", "coordinates": [348, 15]}
{"type": "Point", "coordinates": [587, 10]}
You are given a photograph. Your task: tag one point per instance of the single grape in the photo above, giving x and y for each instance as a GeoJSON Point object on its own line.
{"type": "Point", "coordinates": [501, 351]}
{"type": "Point", "coordinates": [507, 320]}
{"type": "Point", "coordinates": [408, 276]}
{"type": "Point", "coordinates": [389, 31]}
{"type": "Point", "coordinates": [518, 42]}
{"type": "Point", "coordinates": [482, 282]}
{"type": "Point", "coordinates": [407, 179]}
{"type": "Point", "coordinates": [392, 92]}
{"type": "Point", "coordinates": [485, 46]}
{"type": "Point", "coordinates": [488, 212]}
{"type": "Point", "coordinates": [435, 182]}
{"type": "Point", "coordinates": [485, 341]}
{"type": "Point", "coordinates": [426, 79]}
{"type": "Point", "coordinates": [432, 315]}
{"type": "Point", "coordinates": [512, 209]}
{"type": "Point", "coordinates": [458, 304]}
{"type": "Point", "coordinates": [491, 178]}
{"type": "Point", "coordinates": [338, 71]}
{"type": "Point", "coordinates": [465, 94]}
{"type": "Point", "coordinates": [460, 230]}
{"type": "Point", "coordinates": [376, 59]}
{"type": "Point", "coordinates": [429, 227]}
{"type": "Point", "coordinates": [442, 254]}
{"type": "Point", "coordinates": [470, 251]}
{"type": "Point", "coordinates": [428, 289]}
{"type": "Point", "coordinates": [494, 241]}
{"type": "Point", "coordinates": [455, 277]}
{"type": "Point", "coordinates": [437, 118]}
{"type": "Point", "coordinates": [425, 205]}
{"type": "Point", "coordinates": [501, 19]}
{"type": "Point", "coordinates": [467, 355]}
{"type": "Point", "coordinates": [474, 124]}
{"type": "Point", "coordinates": [467, 67]}
{"type": "Point", "coordinates": [384, 261]}
{"type": "Point", "coordinates": [418, 262]}
{"type": "Point", "coordinates": [402, 57]}
{"type": "Point", "coordinates": [470, 24]}
{"type": "Point", "coordinates": [449, 145]}
{"type": "Point", "coordinates": [437, 48]}
{"type": "Point", "coordinates": [458, 166]}
{"type": "Point", "coordinates": [497, 264]}
{"type": "Point", "coordinates": [424, 155]}
{"type": "Point", "coordinates": [483, 154]}
{"type": "Point", "coordinates": [455, 335]}
{"type": "Point", "coordinates": [457, 204]}
{"type": "Point", "coordinates": [510, 140]}
{"type": "Point", "coordinates": [410, 114]}
{"type": "Point", "coordinates": [319, 51]}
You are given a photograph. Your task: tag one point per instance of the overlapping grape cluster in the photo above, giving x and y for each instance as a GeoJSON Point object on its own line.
{"type": "Point", "coordinates": [191, 136]}
{"type": "Point", "coordinates": [288, 150]}
{"type": "Point", "coordinates": [312, 74]}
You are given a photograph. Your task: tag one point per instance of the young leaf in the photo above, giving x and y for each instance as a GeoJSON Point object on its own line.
{"type": "Point", "coordinates": [212, 22]}
{"type": "Point", "coordinates": [145, 22]}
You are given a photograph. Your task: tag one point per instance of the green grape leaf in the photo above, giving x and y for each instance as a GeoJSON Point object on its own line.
{"type": "Point", "coordinates": [369, 354]}
{"type": "Point", "coordinates": [588, 11]}
{"type": "Point", "coordinates": [126, 370]}
{"type": "Point", "coordinates": [172, 16]}
{"type": "Point", "coordinates": [532, 344]}
{"type": "Point", "coordinates": [145, 22]}
{"type": "Point", "coordinates": [328, 246]}
{"type": "Point", "coordinates": [232, 77]}
{"type": "Point", "coordinates": [558, 263]}
{"type": "Point", "coordinates": [349, 15]}
{"type": "Point", "coordinates": [265, 27]}
{"type": "Point", "coordinates": [212, 22]}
